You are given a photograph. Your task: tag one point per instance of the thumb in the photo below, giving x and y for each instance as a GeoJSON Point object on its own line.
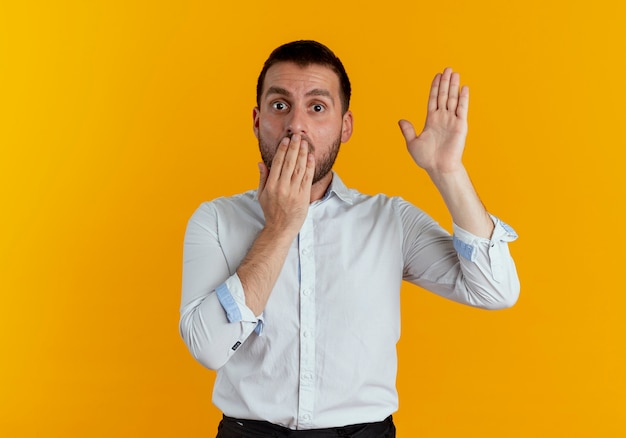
{"type": "Point", "coordinates": [408, 131]}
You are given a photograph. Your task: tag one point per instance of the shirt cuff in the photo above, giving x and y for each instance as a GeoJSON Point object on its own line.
{"type": "Point", "coordinates": [466, 243]}
{"type": "Point", "coordinates": [231, 296]}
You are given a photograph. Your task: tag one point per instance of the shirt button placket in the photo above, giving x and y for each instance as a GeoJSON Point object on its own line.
{"type": "Point", "coordinates": [307, 325]}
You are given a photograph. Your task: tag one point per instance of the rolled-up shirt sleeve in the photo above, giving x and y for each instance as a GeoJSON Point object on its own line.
{"type": "Point", "coordinates": [214, 320]}
{"type": "Point", "coordinates": [465, 268]}
{"type": "Point", "coordinates": [489, 261]}
{"type": "Point", "coordinates": [231, 296]}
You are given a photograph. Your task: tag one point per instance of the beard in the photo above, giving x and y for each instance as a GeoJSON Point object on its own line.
{"type": "Point", "coordinates": [323, 165]}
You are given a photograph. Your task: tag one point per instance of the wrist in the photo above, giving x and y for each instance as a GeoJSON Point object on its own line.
{"type": "Point", "coordinates": [279, 235]}
{"type": "Point", "coordinates": [448, 176]}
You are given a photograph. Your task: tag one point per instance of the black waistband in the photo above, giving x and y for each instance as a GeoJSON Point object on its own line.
{"type": "Point", "coordinates": [261, 429]}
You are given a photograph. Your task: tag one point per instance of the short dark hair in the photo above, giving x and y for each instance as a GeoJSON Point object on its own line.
{"type": "Point", "coordinates": [304, 53]}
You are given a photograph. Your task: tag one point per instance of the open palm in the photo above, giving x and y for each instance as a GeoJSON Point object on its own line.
{"type": "Point", "coordinates": [439, 148]}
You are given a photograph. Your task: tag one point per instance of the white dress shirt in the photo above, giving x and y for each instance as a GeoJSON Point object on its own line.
{"type": "Point", "coordinates": [323, 353]}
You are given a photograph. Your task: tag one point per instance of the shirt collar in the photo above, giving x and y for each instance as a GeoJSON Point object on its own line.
{"type": "Point", "coordinates": [339, 188]}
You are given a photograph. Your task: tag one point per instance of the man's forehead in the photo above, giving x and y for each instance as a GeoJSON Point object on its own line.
{"type": "Point", "coordinates": [285, 75]}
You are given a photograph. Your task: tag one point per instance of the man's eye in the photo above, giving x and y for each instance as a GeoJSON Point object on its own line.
{"type": "Point", "coordinates": [318, 108]}
{"type": "Point", "coordinates": [280, 106]}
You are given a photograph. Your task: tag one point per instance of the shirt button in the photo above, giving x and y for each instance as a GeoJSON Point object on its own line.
{"type": "Point", "coordinates": [306, 417]}
{"type": "Point", "coordinates": [306, 334]}
{"type": "Point", "coordinates": [306, 292]}
{"type": "Point", "coordinates": [305, 251]}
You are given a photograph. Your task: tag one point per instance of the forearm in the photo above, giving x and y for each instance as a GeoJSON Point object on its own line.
{"type": "Point", "coordinates": [260, 268]}
{"type": "Point", "coordinates": [464, 205]}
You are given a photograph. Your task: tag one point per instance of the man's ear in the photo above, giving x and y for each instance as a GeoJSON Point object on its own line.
{"type": "Point", "coordinates": [255, 121]}
{"type": "Point", "coordinates": [346, 129]}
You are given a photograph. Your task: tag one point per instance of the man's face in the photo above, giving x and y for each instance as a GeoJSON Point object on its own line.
{"type": "Point", "coordinates": [305, 101]}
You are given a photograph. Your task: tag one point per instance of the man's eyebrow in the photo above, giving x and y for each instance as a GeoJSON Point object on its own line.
{"type": "Point", "coordinates": [322, 92]}
{"type": "Point", "coordinates": [314, 92]}
{"type": "Point", "coordinates": [278, 90]}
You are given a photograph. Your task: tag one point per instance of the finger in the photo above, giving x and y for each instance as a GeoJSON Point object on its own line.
{"type": "Point", "coordinates": [307, 180]}
{"type": "Point", "coordinates": [291, 157]}
{"type": "Point", "coordinates": [453, 94]}
{"type": "Point", "coordinates": [434, 92]}
{"type": "Point", "coordinates": [444, 85]}
{"type": "Point", "coordinates": [463, 107]}
{"type": "Point", "coordinates": [277, 161]}
{"type": "Point", "coordinates": [301, 162]}
{"type": "Point", "coordinates": [408, 131]}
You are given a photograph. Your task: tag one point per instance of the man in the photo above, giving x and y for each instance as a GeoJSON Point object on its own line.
{"type": "Point", "coordinates": [291, 292]}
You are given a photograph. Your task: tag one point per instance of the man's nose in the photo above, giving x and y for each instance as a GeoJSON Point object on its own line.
{"type": "Point", "coordinates": [296, 123]}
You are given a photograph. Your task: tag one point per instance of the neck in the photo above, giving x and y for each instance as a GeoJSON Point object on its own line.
{"type": "Point", "coordinates": [318, 190]}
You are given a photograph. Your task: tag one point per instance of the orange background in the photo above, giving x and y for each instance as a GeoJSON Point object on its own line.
{"type": "Point", "coordinates": [117, 118]}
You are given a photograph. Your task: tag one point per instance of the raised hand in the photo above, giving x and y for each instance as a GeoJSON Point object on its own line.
{"type": "Point", "coordinates": [439, 148]}
{"type": "Point", "coordinates": [285, 189]}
